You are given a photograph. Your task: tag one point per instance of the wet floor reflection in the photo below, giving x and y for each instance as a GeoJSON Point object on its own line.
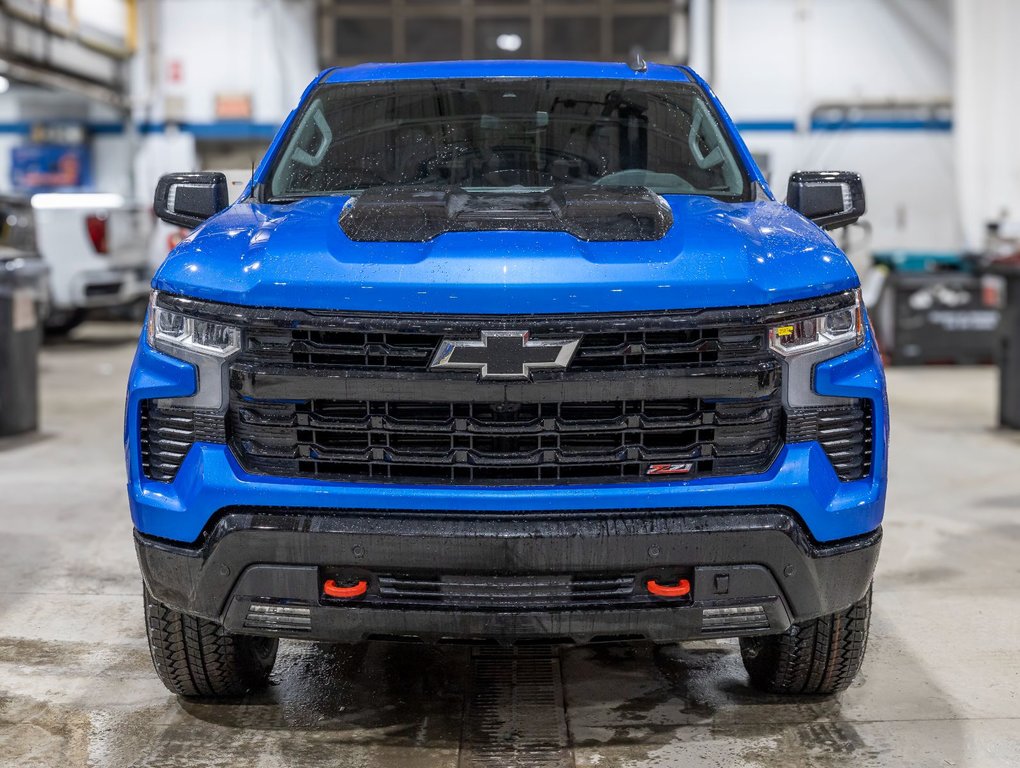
{"type": "Point", "coordinates": [621, 705]}
{"type": "Point", "coordinates": [390, 704]}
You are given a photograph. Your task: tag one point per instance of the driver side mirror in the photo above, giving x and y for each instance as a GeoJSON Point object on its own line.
{"type": "Point", "coordinates": [188, 199]}
{"type": "Point", "coordinates": [830, 199]}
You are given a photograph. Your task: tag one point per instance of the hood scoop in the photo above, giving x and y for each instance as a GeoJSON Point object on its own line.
{"type": "Point", "coordinates": [591, 213]}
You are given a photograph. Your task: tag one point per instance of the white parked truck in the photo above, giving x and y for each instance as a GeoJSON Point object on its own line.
{"type": "Point", "coordinates": [97, 247]}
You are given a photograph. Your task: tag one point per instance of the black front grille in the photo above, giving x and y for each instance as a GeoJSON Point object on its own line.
{"type": "Point", "coordinates": [844, 431]}
{"type": "Point", "coordinates": [167, 433]}
{"type": "Point", "coordinates": [488, 442]}
{"type": "Point", "coordinates": [347, 349]}
{"type": "Point", "coordinates": [682, 347]}
{"type": "Point", "coordinates": [598, 351]}
{"type": "Point", "coordinates": [650, 396]}
{"type": "Point", "coordinates": [322, 395]}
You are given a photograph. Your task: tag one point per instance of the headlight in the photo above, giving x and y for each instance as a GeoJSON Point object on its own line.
{"type": "Point", "coordinates": [207, 345]}
{"type": "Point", "coordinates": [828, 330]}
{"type": "Point", "coordinates": [172, 332]}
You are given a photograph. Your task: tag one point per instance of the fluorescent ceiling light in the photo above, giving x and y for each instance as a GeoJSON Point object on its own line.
{"type": "Point", "coordinates": [509, 42]}
{"type": "Point", "coordinates": [77, 200]}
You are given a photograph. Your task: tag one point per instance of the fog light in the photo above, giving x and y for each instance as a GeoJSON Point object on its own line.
{"type": "Point", "coordinates": [278, 618]}
{"type": "Point", "coordinates": [741, 617]}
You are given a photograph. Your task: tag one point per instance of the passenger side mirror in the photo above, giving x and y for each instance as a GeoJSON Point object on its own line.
{"type": "Point", "coordinates": [188, 199]}
{"type": "Point", "coordinates": [831, 199]}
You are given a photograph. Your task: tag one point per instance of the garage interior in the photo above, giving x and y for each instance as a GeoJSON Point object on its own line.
{"type": "Point", "coordinates": [98, 98]}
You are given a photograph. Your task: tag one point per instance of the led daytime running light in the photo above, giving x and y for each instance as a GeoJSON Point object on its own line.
{"type": "Point", "coordinates": [810, 333]}
{"type": "Point", "coordinates": [169, 330]}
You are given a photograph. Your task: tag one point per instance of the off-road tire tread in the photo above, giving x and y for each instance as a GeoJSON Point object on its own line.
{"type": "Point", "coordinates": [195, 657]}
{"type": "Point", "coordinates": [821, 656]}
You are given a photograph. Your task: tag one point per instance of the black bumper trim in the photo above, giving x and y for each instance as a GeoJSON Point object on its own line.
{"type": "Point", "coordinates": [273, 556]}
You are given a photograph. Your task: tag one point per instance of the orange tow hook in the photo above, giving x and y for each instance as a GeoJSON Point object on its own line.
{"type": "Point", "coordinates": [332, 589]}
{"type": "Point", "coordinates": [681, 588]}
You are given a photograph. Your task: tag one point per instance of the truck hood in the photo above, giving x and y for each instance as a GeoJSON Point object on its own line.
{"type": "Point", "coordinates": [715, 254]}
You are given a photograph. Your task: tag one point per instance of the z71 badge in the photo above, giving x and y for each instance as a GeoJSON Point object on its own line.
{"type": "Point", "coordinates": [670, 469]}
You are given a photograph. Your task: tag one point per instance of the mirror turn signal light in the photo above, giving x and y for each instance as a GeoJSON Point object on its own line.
{"type": "Point", "coordinates": [680, 589]}
{"type": "Point", "coordinates": [332, 589]}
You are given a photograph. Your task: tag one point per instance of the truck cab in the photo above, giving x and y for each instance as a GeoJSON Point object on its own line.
{"type": "Point", "coordinates": [507, 351]}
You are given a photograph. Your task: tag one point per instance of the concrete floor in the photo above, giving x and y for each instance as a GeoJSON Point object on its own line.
{"type": "Point", "coordinates": [939, 686]}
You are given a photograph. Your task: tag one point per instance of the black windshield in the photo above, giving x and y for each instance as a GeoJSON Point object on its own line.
{"type": "Point", "coordinates": [507, 133]}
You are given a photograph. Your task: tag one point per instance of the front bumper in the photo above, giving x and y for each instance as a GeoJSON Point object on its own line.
{"type": "Point", "coordinates": [111, 287]}
{"type": "Point", "coordinates": [260, 571]}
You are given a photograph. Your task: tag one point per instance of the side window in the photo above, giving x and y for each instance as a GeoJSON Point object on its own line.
{"type": "Point", "coordinates": [708, 147]}
{"type": "Point", "coordinates": [307, 149]}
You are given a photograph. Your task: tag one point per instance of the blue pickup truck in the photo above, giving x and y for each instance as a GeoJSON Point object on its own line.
{"type": "Point", "coordinates": [507, 351]}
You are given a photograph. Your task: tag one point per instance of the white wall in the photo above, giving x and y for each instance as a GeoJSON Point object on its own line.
{"type": "Point", "coordinates": [777, 61]}
{"type": "Point", "coordinates": [781, 58]}
{"type": "Point", "coordinates": [909, 180]}
{"type": "Point", "coordinates": [266, 48]}
{"type": "Point", "coordinates": [988, 114]}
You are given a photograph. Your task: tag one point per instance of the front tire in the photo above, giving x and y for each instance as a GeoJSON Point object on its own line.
{"type": "Point", "coordinates": [821, 656]}
{"type": "Point", "coordinates": [195, 657]}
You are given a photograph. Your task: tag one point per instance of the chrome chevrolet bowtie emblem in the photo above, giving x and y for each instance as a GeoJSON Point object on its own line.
{"type": "Point", "coordinates": [504, 354]}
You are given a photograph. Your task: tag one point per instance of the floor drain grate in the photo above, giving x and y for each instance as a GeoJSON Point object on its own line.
{"type": "Point", "coordinates": [515, 716]}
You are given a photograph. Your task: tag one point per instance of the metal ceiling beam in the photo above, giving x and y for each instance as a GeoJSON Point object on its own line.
{"type": "Point", "coordinates": [33, 53]}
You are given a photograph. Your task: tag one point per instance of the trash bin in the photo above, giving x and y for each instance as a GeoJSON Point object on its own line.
{"type": "Point", "coordinates": [1009, 346]}
{"type": "Point", "coordinates": [22, 292]}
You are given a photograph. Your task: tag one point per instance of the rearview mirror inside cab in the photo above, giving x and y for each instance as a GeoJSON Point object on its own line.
{"type": "Point", "coordinates": [831, 199]}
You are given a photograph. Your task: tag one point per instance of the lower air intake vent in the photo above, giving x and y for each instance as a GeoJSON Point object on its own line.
{"type": "Point", "coordinates": [845, 432]}
{"type": "Point", "coordinates": [167, 433]}
{"type": "Point", "coordinates": [521, 593]}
